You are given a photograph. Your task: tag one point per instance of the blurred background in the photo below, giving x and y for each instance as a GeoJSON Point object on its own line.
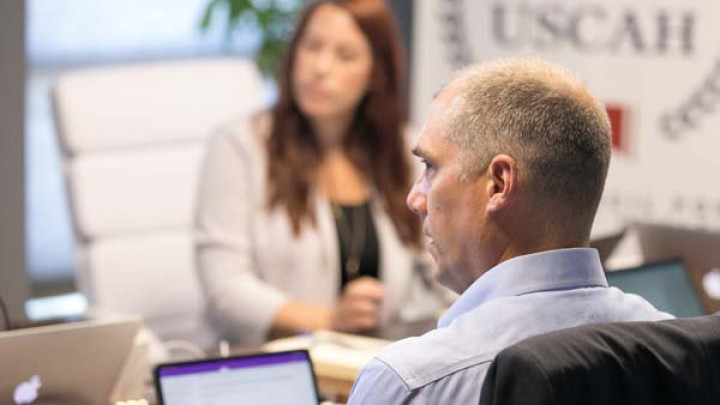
{"type": "Point", "coordinates": [655, 64]}
{"type": "Point", "coordinates": [40, 41]}
{"type": "Point", "coordinates": [106, 108]}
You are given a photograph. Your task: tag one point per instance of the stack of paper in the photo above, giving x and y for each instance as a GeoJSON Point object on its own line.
{"type": "Point", "coordinates": [335, 355]}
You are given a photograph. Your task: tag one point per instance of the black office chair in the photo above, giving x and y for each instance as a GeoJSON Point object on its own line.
{"type": "Point", "coordinates": [658, 363]}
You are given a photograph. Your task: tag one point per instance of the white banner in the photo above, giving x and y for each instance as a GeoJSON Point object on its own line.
{"type": "Point", "coordinates": [655, 63]}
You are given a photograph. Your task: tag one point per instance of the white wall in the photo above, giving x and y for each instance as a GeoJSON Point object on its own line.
{"type": "Point", "coordinates": [656, 63]}
{"type": "Point", "coordinates": [14, 286]}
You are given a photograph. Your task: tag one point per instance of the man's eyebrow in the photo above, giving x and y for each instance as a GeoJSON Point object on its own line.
{"type": "Point", "coordinates": [417, 151]}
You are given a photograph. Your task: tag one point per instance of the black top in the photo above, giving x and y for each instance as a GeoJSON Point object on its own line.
{"type": "Point", "coordinates": [358, 242]}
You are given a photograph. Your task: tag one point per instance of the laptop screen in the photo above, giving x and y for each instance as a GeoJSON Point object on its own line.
{"type": "Point", "coordinates": [270, 378]}
{"type": "Point", "coordinates": [666, 285]}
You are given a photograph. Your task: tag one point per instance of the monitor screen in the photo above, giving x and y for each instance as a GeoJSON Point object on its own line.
{"type": "Point", "coordinates": [666, 285]}
{"type": "Point", "coordinates": [271, 378]}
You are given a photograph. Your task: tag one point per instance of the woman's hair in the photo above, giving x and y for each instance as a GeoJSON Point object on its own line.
{"type": "Point", "coordinates": [375, 141]}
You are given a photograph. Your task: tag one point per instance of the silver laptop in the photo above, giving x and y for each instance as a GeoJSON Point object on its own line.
{"type": "Point", "coordinates": [699, 249]}
{"type": "Point", "coordinates": [282, 378]}
{"type": "Point", "coordinates": [74, 363]}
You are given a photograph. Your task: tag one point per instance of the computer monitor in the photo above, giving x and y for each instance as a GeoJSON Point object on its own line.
{"type": "Point", "coordinates": [284, 378]}
{"type": "Point", "coordinates": [607, 244]}
{"type": "Point", "coordinates": [75, 363]}
{"type": "Point", "coordinates": [698, 248]}
{"type": "Point", "coordinates": [664, 284]}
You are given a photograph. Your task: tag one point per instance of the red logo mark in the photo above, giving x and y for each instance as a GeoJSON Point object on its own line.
{"type": "Point", "coordinates": [618, 125]}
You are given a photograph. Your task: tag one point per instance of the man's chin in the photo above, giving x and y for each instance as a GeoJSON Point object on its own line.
{"type": "Point", "coordinates": [444, 278]}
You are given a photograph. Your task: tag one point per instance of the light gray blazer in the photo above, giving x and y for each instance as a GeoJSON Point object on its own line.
{"type": "Point", "coordinates": [250, 263]}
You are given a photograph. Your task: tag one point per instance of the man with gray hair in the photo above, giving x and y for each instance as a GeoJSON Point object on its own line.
{"type": "Point", "coordinates": [516, 153]}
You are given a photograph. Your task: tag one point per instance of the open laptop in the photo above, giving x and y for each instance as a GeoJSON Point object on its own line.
{"type": "Point", "coordinates": [665, 284]}
{"type": "Point", "coordinates": [74, 363]}
{"type": "Point", "coordinates": [282, 378]}
{"type": "Point", "coordinates": [699, 249]}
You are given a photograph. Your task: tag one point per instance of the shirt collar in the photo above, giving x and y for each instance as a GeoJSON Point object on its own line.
{"type": "Point", "coordinates": [551, 270]}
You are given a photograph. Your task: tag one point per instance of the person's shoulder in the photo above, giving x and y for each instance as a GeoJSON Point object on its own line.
{"type": "Point", "coordinates": [261, 125]}
{"type": "Point", "coordinates": [247, 132]}
{"type": "Point", "coordinates": [385, 381]}
{"type": "Point", "coordinates": [378, 383]}
{"type": "Point", "coordinates": [434, 356]}
{"type": "Point", "coordinates": [634, 307]}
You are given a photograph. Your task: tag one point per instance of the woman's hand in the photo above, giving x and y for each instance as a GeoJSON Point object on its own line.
{"type": "Point", "coordinates": [358, 310]}
{"type": "Point", "coordinates": [359, 306]}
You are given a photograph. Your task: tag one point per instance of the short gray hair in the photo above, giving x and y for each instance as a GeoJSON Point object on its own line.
{"type": "Point", "coordinates": [543, 117]}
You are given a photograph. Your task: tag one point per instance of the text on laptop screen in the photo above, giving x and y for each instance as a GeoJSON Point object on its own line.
{"type": "Point", "coordinates": [274, 378]}
{"type": "Point", "coordinates": [666, 285]}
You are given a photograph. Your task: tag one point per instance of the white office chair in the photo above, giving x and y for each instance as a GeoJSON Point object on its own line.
{"type": "Point", "coordinates": [133, 138]}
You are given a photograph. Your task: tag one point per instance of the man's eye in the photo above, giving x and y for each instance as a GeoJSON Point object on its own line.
{"type": "Point", "coordinates": [428, 166]}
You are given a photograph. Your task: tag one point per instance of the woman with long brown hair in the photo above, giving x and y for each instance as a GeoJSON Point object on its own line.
{"type": "Point", "coordinates": [301, 222]}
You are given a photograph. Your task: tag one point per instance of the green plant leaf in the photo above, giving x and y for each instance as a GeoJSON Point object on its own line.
{"type": "Point", "coordinates": [238, 11]}
{"type": "Point", "coordinates": [274, 19]}
{"type": "Point", "coordinates": [207, 16]}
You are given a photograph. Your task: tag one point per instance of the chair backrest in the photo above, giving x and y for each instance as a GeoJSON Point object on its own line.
{"type": "Point", "coordinates": [133, 138]}
{"type": "Point", "coordinates": [667, 362]}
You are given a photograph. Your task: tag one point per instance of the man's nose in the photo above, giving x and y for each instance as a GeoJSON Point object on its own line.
{"type": "Point", "coordinates": [416, 199]}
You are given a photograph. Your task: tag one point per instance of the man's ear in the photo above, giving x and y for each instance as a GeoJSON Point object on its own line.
{"type": "Point", "coordinates": [502, 182]}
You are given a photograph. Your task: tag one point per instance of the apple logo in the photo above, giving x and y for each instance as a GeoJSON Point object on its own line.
{"type": "Point", "coordinates": [27, 391]}
{"type": "Point", "coordinates": [711, 283]}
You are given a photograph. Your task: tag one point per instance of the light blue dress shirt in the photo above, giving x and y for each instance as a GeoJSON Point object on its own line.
{"type": "Point", "coordinates": [519, 298]}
